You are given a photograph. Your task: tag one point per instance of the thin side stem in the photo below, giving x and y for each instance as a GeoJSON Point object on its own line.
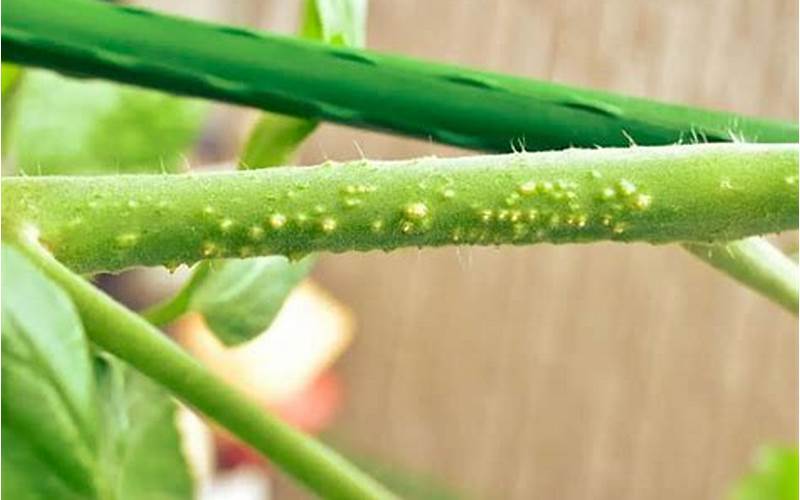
{"type": "Point", "coordinates": [464, 107]}
{"type": "Point", "coordinates": [131, 338]}
{"type": "Point", "coordinates": [665, 194]}
{"type": "Point", "coordinates": [758, 264]}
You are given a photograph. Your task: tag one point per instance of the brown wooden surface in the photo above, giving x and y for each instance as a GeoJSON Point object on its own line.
{"type": "Point", "coordinates": [606, 371]}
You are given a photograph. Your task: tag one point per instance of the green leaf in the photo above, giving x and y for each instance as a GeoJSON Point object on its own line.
{"type": "Point", "coordinates": [275, 138]}
{"type": "Point", "coordinates": [141, 449]}
{"type": "Point", "coordinates": [774, 477]}
{"type": "Point", "coordinates": [10, 76]}
{"type": "Point", "coordinates": [49, 401]}
{"type": "Point", "coordinates": [239, 299]}
{"type": "Point", "coordinates": [73, 429]}
{"type": "Point", "coordinates": [274, 141]}
{"type": "Point", "coordinates": [337, 22]}
{"type": "Point", "coordinates": [69, 126]}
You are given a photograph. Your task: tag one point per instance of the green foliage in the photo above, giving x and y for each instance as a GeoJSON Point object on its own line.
{"type": "Point", "coordinates": [274, 141]}
{"type": "Point", "coordinates": [140, 344]}
{"type": "Point", "coordinates": [49, 422]}
{"type": "Point", "coordinates": [336, 22]}
{"type": "Point", "coordinates": [775, 477]}
{"type": "Point", "coordinates": [10, 76]}
{"type": "Point", "coordinates": [70, 126]}
{"type": "Point", "coordinates": [74, 429]}
{"type": "Point", "coordinates": [275, 138]}
{"type": "Point", "coordinates": [240, 298]}
{"type": "Point", "coordinates": [141, 450]}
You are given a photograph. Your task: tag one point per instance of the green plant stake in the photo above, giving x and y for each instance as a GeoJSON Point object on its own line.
{"type": "Point", "coordinates": [467, 108]}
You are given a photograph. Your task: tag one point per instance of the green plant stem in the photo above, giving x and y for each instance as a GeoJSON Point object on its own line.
{"type": "Point", "coordinates": [757, 263]}
{"type": "Point", "coordinates": [131, 338]}
{"type": "Point", "coordinates": [164, 313]}
{"type": "Point", "coordinates": [703, 193]}
{"type": "Point", "coordinates": [468, 108]}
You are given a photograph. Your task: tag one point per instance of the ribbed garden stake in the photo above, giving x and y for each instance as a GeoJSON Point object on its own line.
{"type": "Point", "coordinates": [468, 108]}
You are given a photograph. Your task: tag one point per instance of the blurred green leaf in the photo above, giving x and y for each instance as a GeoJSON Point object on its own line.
{"type": "Point", "coordinates": [275, 138]}
{"type": "Point", "coordinates": [49, 420]}
{"type": "Point", "coordinates": [337, 22]}
{"type": "Point", "coordinates": [239, 299]}
{"type": "Point", "coordinates": [10, 76]}
{"type": "Point", "coordinates": [141, 448]}
{"type": "Point", "coordinates": [274, 141]}
{"type": "Point", "coordinates": [71, 429]}
{"type": "Point", "coordinates": [65, 125]}
{"type": "Point", "coordinates": [775, 477]}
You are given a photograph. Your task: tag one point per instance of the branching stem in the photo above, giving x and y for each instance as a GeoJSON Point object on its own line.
{"type": "Point", "coordinates": [130, 337]}
{"type": "Point", "coordinates": [758, 264]}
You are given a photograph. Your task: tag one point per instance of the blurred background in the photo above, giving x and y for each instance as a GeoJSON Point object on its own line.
{"type": "Point", "coordinates": [606, 371]}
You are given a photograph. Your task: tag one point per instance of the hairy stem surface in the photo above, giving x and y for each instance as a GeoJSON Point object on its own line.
{"type": "Point", "coordinates": [468, 108]}
{"type": "Point", "coordinates": [704, 193]}
{"type": "Point", "coordinates": [131, 338]}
